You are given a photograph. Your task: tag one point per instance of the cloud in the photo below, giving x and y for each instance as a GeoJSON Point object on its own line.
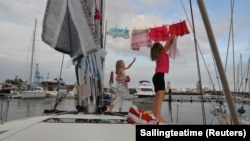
{"type": "Point", "coordinates": [17, 25]}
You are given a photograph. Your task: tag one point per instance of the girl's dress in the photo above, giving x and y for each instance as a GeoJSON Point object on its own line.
{"type": "Point", "coordinates": [122, 87]}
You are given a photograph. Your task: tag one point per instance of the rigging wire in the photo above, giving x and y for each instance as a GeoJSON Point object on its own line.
{"type": "Point", "coordinates": [197, 58]}
{"type": "Point", "coordinates": [214, 48]}
{"type": "Point", "coordinates": [198, 65]}
{"type": "Point", "coordinates": [58, 100]}
{"type": "Point", "coordinates": [209, 74]}
{"type": "Point", "coordinates": [229, 37]}
{"type": "Point", "coordinates": [246, 71]}
{"type": "Point", "coordinates": [231, 31]}
{"type": "Point", "coordinates": [218, 80]}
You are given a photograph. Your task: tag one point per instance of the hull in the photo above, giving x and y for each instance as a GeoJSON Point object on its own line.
{"type": "Point", "coordinates": [144, 89]}
{"type": "Point", "coordinates": [38, 92]}
{"type": "Point", "coordinates": [32, 94]}
{"type": "Point", "coordinates": [6, 91]}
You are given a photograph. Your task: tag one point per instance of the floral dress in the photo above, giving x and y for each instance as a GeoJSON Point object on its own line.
{"type": "Point", "coordinates": [122, 87]}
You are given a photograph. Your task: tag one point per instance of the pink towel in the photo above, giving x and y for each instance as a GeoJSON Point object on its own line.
{"type": "Point", "coordinates": [159, 33]}
{"type": "Point", "coordinates": [140, 38]}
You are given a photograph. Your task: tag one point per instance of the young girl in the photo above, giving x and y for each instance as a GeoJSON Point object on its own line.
{"type": "Point", "coordinates": [121, 84]}
{"type": "Point", "coordinates": [159, 54]}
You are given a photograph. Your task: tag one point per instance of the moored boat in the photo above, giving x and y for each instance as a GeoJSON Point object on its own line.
{"type": "Point", "coordinates": [51, 87]}
{"type": "Point", "coordinates": [5, 89]}
{"type": "Point", "coordinates": [89, 121]}
{"type": "Point", "coordinates": [36, 92]}
{"type": "Point", "coordinates": [144, 89]}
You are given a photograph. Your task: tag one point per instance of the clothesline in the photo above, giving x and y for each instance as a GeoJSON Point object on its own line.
{"type": "Point", "coordinates": [145, 37]}
{"type": "Point", "coordinates": [160, 33]}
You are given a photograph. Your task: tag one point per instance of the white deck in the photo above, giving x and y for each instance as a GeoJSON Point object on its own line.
{"type": "Point", "coordinates": [68, 127]}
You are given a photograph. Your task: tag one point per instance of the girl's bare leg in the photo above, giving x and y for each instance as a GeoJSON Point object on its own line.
{"type": "Point", "coordinates": [120, 109]}
{"type": "Point", "coordinates": [157, 104]}
{"type": "Point", "coordinates": [110, 108]}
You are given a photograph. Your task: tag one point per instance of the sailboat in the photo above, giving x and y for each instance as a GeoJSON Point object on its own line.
{"type": "Point", "coordinates": [51, 85]}
{"type": "Point", "coordinates": [33, 91]}
{"type": "Point", "coordinates": [220, 110]}
{"type": "Point", "coordinates": [69, 27]}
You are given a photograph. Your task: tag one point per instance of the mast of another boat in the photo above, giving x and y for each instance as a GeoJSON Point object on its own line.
{"type": "Point", "coordinates": [247, 93]}
{"type": "Point", "coordinates": [32, 55]}
{"type": "Point", "coordinates": [214, 48]}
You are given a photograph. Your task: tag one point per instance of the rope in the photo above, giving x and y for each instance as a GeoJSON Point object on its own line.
{"type": "Point", "coordinates": [4, 115]}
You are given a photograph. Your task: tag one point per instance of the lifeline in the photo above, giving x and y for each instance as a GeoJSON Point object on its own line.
{"type": "Point", "coordinates": [170, 133]}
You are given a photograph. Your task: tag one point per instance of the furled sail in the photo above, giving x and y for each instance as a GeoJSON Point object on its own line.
{"type": "Point", "coordinates": [69, 27]}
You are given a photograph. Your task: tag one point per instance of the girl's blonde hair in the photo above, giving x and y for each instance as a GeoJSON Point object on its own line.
{"type": "Point", "coordinates": [118, 66]}
{"type": "Point", "coordinates": [155, 51]}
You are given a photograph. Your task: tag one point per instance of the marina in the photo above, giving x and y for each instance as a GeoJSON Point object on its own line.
{"type": "Point", "coordinates": [176, 112]}
{"type": "Point", "coordinates": [77, 28]}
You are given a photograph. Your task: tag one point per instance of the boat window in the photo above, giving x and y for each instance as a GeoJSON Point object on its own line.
{"type": "Point", "coordinates": [146, 89]}
{"type": "Point", "coordinates": [80, 120]}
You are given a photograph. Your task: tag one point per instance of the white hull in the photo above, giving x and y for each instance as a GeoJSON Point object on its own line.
{"type": "Point", "coordinates": [144, 89]}
{"type": "Point", "coordinates": [38, 92]}
{"type": "Point", "coordinates": [145, 94]}
{"type": "Point", "coordinates": [71, 94]}
{"type": "Point", "coordinates": [242, 99]}
{"type": "Point", "coordinates": [50, 93]}
{"type": "Point", "coordinates": [226, 119]}
{"type": "Point", "coordinates": [32, 94]}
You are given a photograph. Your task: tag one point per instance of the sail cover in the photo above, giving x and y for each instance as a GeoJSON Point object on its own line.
{"type": "Point", "coordinates": [67, 28]}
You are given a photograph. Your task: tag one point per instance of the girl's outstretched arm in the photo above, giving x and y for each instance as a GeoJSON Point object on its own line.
{"type": "Point", "coordinates": [130, 64]}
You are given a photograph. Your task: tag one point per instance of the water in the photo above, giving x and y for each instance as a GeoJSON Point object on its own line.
{"type": "Point", "coordinates": [174, 112]}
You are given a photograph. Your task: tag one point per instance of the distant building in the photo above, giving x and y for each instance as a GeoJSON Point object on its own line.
{"type": "Point", "coordinates": [173, 90]}
{"type": "Point", "coordinates": [188, 90]}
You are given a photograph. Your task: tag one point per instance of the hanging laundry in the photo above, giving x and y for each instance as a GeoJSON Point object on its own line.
{"type": "Point", "coordinates": [179, 29]}
{"type": "Point", "coordinates": [140, 38]}
{"type": "Point", "coordinates": [159, 33]}
{"type": "Point", "coordinates": [173, 50]}
{"type": "Point", "coordinates": [118, 32]}
{"type": "Point", "coordinates": [97, 15]}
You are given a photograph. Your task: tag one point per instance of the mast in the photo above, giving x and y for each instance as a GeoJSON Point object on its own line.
{"type": "Point", "coordinates": [32, 54]}
{"type": "Point", "coordinates": [221, 71]}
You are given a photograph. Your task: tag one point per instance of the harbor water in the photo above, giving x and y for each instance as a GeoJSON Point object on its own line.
{"type": "Point", "coordinates": [184, 109]}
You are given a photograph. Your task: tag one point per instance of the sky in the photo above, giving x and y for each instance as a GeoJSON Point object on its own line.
{"type": "Point", "coordinates": [195, 61]}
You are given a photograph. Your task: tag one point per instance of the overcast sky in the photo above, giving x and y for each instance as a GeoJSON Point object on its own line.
{"type": "Point", "coordinates": [17, 25]}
